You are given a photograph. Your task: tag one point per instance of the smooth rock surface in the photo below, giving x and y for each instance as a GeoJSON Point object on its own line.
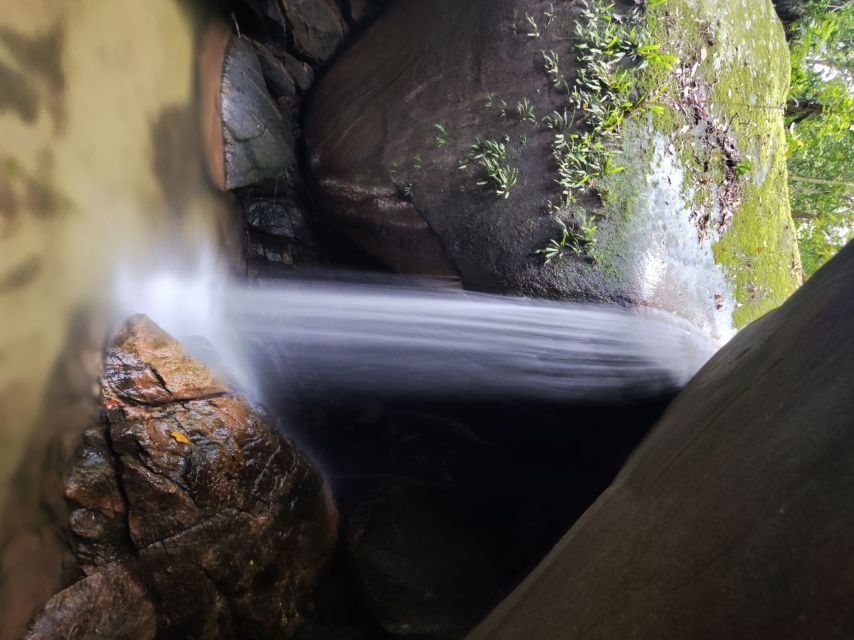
{"type": "Point", "coordinates": [258, 142]}
{"type": "Point", "coordinates": [390, 182]}
{"type": "Point", "coordinates": [734, 518]}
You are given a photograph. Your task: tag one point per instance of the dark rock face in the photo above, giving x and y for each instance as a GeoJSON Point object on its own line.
{"type": "Point", "coordinates": [733, 519]}
{"type": "Point", "coordinates": [219, 518]}
{"type": "Point", "coordinates": [422, 570]}
{"type": "Point", "coordinates": [317, 27]}
{"type": "Point", "coordinates": [258, 144]}
{"type": "Point", "coordinates": [385, 180]}
{"type": "Point", "coordinates": [391, 125]}
{"type": "Point", "coordinates": [107, 605]}
{"type": "Point", "coordinates": [270, 65]}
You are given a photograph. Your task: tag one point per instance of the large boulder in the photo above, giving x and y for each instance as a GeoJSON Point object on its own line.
{"type": "Point", "coordinates": [695, 222]}
{"type": "Point", "coordinates": [734, 518]}
{"type": "Point", "coordinates": [107, 605]}
{"type": "Point", "coordinates": [186, 501]}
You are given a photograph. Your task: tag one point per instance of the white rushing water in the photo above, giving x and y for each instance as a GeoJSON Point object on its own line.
{"type": "Point", "coordinates": [389, 339]}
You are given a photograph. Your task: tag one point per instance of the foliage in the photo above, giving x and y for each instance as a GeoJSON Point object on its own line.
{"type": "Point", "coordinates": [611, 48]}
{"type": "Point", "coordinates": [525, 111]}
{"type": "Point", "coordinates": [491, 156]}
{"type": "Point", "coordinates": [744, 168]}
{"type": "Point", "coordinates": [580, 239]}
{"type": "Point", "coordinates": [610, 51]}
{"type": "Point", "coordinates": [819, 117]}
{"type": "Point", "coordinates": [533, 29]}
{"type": "Point", "coordinates": [441, 135]}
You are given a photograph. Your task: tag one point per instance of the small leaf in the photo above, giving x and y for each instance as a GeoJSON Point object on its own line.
{"type": "Point", "coordinates": [180, 437]}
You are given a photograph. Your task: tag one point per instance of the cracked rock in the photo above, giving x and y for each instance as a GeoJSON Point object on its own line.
{"type": "Point", "coordinates": [317, 27]}
{"type": "Point", "coordinates": [220, 518]}
{"type": "Point", "coordinates": [258, 142]}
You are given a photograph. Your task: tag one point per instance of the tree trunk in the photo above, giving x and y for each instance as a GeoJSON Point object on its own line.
{"type": "Point", "coordinates": [804, 215]}
{"type": "Point", "coordinates": [803, 110]}
{"type": "Point", "coordinates": [829, 183]}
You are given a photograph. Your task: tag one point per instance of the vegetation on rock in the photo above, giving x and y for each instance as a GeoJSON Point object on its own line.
{"type": "Point", "coordinates": [723, 120]}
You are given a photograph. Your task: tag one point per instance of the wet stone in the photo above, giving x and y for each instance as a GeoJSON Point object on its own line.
{"type": "Point", "coordinates": [219, 518]}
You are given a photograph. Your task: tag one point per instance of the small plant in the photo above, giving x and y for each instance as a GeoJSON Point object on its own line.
{"type": "Point", "coordinates": [649, 54]}
{"type": "Point", "coordinates": [418, 162]}
{"type": "Point", "coordinates": [551, 63]}
{"type": "Point", "coordinates": [490, 100]}
{"type": "Point", "coordinates": [557, 121]}
{"type": "Point", "coordinates": [586, 237]}
{"type": "Point", "coordinates": [525, 111]}
{"type": "Point", "coordinates": [407, 191]}
{"type": "Point", "coordinates": [550, 14]}
{"type": "Point", "coordinates": [553, 251]}
{"type": "Point", "coordinates": [533, 29]}
{"type": "Point", "coordinates": [743, 168]}
{"type": "Point", "coordinates": [441, 135]}
{"type": "Point", "coordinates": [580, 239]}
{"type": "Point", "coordinates": [491, 156]}
{"type": "Point", "coordinates": [503, 108]}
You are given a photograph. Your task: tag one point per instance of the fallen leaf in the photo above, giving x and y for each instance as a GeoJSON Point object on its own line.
{"type": "Point", "coordinates": [180, 437]}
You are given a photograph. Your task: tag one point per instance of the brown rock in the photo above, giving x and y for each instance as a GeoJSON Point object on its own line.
{"type": "Point", "coordinates": [107, 605]}
{"type": "Point", "coordinates": [217, 515]}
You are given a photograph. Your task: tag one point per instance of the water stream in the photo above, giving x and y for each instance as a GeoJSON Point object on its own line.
{"type": "Point", "coordinates": [388, 339]}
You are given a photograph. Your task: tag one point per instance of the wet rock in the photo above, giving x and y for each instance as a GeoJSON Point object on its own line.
{"type": "Point", "coordinates": [100, 521]}
{"type": "Point", "coordinates": [279, 80]}
{"type": "Point", "coordinates": [320, 632]}
{"type": "Point", "coordinates": [220, 518]}
{"type": "Point", "coordinates": [277, 219]}
{"type": "Point", "coordinates": [258, 142]}
{"type": "Point", "coordinates": [107, 605]}
{"type": "Point", "coordinates": [262, 19]}
{"type": "Point", "coordinates": [389, 179]}
{"type": "Point", "coordinates": [302, 72]}
{"type": "Point", "coordinates": [733, 518]}
{"type": "Point", "coordinates": [316, 26]}
{"type": "Point", "coordinates": [423, 567]}
{"type": "Point", "coordinates": [363, 10]}
{"type": "Point", "coordinates": [277, 230]}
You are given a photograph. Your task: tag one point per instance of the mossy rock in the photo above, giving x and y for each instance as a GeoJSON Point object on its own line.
{"type": "Point", "coordinates": [697, 222]}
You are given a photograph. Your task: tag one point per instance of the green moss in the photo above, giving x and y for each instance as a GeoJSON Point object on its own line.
{"type": "Point", "coordinates": [760, 250]}
{"type": "Point", "coordinates": [737, 55]}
